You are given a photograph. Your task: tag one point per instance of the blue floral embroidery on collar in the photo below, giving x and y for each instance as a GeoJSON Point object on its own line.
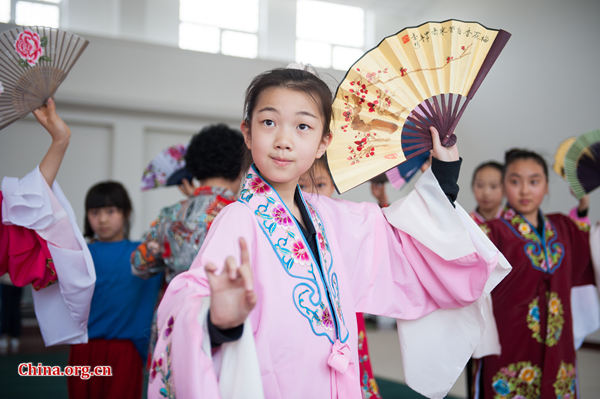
{"type": "Point", "coordinates": [317, 295]}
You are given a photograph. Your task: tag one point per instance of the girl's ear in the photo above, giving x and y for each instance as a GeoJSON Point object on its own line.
{"type": "Point", "coordinates": [246, 132]}
{"type": "Point", "coordinates": [325, 141]}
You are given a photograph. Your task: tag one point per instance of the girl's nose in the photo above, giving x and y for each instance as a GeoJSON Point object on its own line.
{"type": "Point", "coordinates": [283, 140]}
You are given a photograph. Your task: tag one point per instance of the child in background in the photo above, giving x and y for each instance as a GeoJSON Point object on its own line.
{"type": "Point", "coordinates": [318, 180]}
{"type": "Point", "coordinates": [40, 243]}
{"type": "Point", "coordinates": [550, 255]}
{"type": "Point", "coordinates": [214, 157]}
{"type": "Point", "coordinates": [280, 317]}
{"type": "Point", "coordinates": [122, 305]}
{"type": "Point", "coordinates": [487, 189]}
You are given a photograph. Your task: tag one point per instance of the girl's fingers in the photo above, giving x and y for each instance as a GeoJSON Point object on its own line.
{"type": "Point", "coordinates": [51, 105]}
{"type": "Point", "coordinates": [231, 267]}
{"type": "Point", "coordinates": [246, 274]}
{"type": "Point", "coordinates": [251, 298]}
{"type": "Point", "coordinates": [435, 137]}
{"type": "Point", "coordinates": [210, 270]}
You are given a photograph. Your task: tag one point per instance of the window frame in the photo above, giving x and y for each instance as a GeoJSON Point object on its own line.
{"type": "Point", "coordinates": [222, 30]}
{"type": "Point", "coordinates": [333, 45]}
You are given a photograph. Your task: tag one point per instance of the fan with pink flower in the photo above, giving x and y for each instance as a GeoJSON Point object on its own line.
{"type": "Point", "coordinates": [34, 61]}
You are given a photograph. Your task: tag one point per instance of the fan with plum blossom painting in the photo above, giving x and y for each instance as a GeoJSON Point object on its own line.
{"type": "Point", "coordinates": [34, 61]}
{"type": "Point", "coordinates": [422, 76]}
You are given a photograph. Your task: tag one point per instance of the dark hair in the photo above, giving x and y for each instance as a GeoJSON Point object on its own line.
{"type": "Point", "coordinates": [290, 78]}
{"type": "Point", "coordinates": [103, 194]}
{"type": "Point", "coordinates": [295, 79]}
{"type": "Point", "coordinates": [215, 151]}
{"type": "Point", "coordinates": [489, 164]}
{"type": "Point", "coordinates": [516, 154]}
{"type": "Point", "coordinates": [380, 179]}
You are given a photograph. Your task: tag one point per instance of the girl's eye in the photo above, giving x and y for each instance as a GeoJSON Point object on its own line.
{"type": "Point", "coordinates": [268, 122]}
{"type": "Point", "coordinates": [303, 126]}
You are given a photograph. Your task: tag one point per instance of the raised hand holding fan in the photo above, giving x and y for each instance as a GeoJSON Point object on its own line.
{"type": "Point", "coordinates": [34, 62]}
{"type": "Point", "coordinates": [582, 164]}
{"type": "Point", "coordinates": [424, 75]}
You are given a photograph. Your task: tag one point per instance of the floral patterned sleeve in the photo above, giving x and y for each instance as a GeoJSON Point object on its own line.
{"type": "Point", "coordinates": [147, 260]}
{"type": "Point", "coordinates": [582, 222]}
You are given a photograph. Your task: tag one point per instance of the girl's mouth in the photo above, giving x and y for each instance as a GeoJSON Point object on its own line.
{"type": "Point", "coordinates": [281, 161]}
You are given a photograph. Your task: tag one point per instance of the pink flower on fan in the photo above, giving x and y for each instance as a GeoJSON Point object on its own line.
{"type": "Point", "coordinates": [29, 47]}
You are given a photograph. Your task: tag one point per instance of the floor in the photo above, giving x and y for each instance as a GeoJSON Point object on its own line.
{"type": "Point", "coordinates": [385, 358]}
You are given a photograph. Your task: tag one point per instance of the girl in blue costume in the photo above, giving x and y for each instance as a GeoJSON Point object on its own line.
{"type": "Point", "coordinates": [122, 305]}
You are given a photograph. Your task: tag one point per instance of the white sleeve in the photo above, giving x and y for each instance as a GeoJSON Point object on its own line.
{"type": "Point", "coordinates": [436, 347]}
{"type": "Point", "coordinates": [62, 309]}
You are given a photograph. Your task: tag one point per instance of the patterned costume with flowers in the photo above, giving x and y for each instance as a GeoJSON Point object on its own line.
{"type": "Point", "coordinates": [303, 325]}
{"type": "Point", "coordinates": [532, 307]}
{"type": "Point", "coordinates": [179, 230]}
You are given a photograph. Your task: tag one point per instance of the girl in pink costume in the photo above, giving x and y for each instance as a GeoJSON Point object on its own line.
{"type": "Point", "coordinates": [267, 308]}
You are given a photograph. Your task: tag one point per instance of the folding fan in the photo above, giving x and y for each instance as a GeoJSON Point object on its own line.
{"type": "Point", "coordinates": [166, 169]}
{"type": "Point", "coordinates": [426, 75]}
{"type": "Point", "coordinates": [582, 164]}
{"type": "Point", "coordinates": [559, 156]}
{"type": "Point", "coordinates": [34, 62]}
{"type": "Point", "coordinates": [401, 174]}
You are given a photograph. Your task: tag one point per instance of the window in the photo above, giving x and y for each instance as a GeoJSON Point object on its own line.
{"type": "Point", "coordinates": [329, 35]}
{"type": "Point", "coordinates": [31, 12]}
{"type": "Point", "coordinates": [212, 27]}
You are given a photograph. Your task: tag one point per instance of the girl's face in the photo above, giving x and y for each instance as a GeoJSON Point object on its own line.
{"type": "Point", "coordinates": [108, 223]}
{"type": "Point", "coordinates": [525, 185]}
{"type": "Point", "coordinates": [285, 135]}
{"type": "Point", "coordinates": [487, 189]}
{"type": "Point", "coordinates": [323, 183]}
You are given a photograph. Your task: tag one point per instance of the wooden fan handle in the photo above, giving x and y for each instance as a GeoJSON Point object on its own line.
{"type": "Point", "coordinates": [448, 140]}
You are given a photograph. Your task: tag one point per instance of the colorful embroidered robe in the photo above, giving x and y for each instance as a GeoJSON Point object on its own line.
{"type": "Point", "coordinates": [179, 229]}
{"type": "Point", "coordinates": [303, 324]}
{"type": "Point", "coordinates": [532, 307]}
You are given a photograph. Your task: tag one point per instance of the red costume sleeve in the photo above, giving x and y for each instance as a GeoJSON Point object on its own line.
{"type": "Point", "coordinates": [25, 256]}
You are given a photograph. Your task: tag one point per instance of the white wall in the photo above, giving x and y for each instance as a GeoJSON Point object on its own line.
{"type": "Point", "coordinates": [127, 98]}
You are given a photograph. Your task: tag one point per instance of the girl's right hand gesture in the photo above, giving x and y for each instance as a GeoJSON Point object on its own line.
{"type": "Point", "coordinates": [232, 295]}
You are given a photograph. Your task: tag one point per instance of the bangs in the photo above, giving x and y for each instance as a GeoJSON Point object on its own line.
{"type": "Point", "coordinates": [100, 200]}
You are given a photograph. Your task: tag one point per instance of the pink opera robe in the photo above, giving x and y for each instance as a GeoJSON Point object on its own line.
{"type": "Point", "coordinates": [428, 265]}
{"type": "Point", "coordinates": [61, 309]}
